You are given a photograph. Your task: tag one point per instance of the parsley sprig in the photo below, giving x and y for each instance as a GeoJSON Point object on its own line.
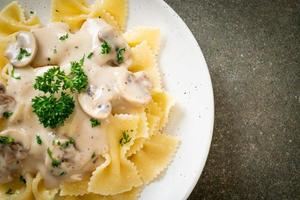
{"type": "Point", "coordinates": [55, 79]}
{"type": "Point", "coordinates": [51, 81]}
{"type": "Point", "coordinates": [53, 109]}
{"type": "Point", "coordinates": [77, 80]}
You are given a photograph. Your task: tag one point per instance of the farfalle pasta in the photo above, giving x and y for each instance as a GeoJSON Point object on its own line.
{"type": "Point", "coordinates": [82, 105]}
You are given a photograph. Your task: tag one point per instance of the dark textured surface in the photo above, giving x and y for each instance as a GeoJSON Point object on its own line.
{"type": "Point", "coordinates": [253, 52]}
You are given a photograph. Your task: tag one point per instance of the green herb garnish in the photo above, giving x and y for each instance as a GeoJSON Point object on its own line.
{"type": "Point", "coordinates": [120, 54]}
{"type": "Point", "coordinates": [105, 48]}
{"type": "Point", "coordinates": [66, 144]}
{"type": "Point", "coordinates": [95, 122]}
{"type": "Point", "coordinates": [125, 138]}
{"type": "Point", "coordinates": [62, 173]}
{"type": "Point", "coordinates": [90, 55]}
{"type": "Point", "coordinates": [77, 80]}
{"type": "Point", "coordinates": [31, 12]}
{"type": "Point", "coordinates": [64, 37]}
{"type": "Point", "coordinates": [23, 53]}
{"type": "Point", "coordinates": [9, 191]}
{"type": "Point", "coordinates": [55, 162]}
{"type": "Point", "coordinates": [13, 74]}
{"type": "Point", "coordinates": [52, 111]}
{"type": "Point", "coordinates": [51, 81]}
{"type": "Point", "coordinates": [7, 115]}
{"type": "Point", "coordinates": [6, 139]}
{"type": "Point", "coordinates": [39, 140]}
{"type": "Point", "coordinates": [22, 179]}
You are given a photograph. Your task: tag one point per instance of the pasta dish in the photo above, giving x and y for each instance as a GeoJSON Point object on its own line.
{"type": "Point", "coordinates": [82, 107]}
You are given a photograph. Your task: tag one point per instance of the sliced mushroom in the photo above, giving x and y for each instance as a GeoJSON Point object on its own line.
{"type": "Point", "coordinates": [119, 49]}
{"type": "Point", "coordinates": [12, 154]}
{"type": "Point", "coordinates": [67, 157]}
{"type": "Point", "coordinates": [136, 88]}
{"type": "Point", "coordinates": [7, 104]}
{"type": "Point", "coordinates": [96, 101]}
{"type": "Point", "coordinates": [23, 50]}
{"type": "Point", "coordinates": [2, 88]}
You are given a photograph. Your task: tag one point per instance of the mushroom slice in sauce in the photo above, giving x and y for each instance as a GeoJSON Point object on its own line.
{"type": "Point", "coordinates": [12, 153]}
{"type": "Point", "coordinates": [63, 158]}
{"type": "Point", "coordinates": [7, 104]}
{"type": "Point", "coordinates": [23, 50]}
{"type": "Point", "coordinates": [137, 88]}
{"type": "Point", "coordinates": [2, 88]}
{"type": "Point", "coordinates": [96, 101]}
{"type": "Point", "coordinates": [116, 43]}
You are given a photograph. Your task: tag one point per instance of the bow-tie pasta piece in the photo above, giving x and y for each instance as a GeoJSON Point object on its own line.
{"type": "Point", "coordinates": [143, 59]}
{"type": "Point", "coordinates": [155, 156]}
{"type": "Point", "coordinates": [18, 189]}
{"type": "Point", "coordinates": [12, 20]}
{"type": "Point", "coordinates": [40, 191]}
{"type": "Point", "coordinates": [141, 34]}
{"type": "Point", "coordinates": [120, 175]}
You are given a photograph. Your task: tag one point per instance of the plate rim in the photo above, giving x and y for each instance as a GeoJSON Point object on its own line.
{"type": "Point", "coordinates": [211, 120]}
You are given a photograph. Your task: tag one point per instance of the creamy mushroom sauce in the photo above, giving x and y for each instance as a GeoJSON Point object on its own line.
{"type": "Point", "coordinates": [111, 86]}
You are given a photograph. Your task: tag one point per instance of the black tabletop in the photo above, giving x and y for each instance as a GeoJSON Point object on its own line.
{"type": "Point", "coordinates": [252, 48]}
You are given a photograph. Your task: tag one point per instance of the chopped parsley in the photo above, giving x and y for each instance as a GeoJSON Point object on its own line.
{"type": "Point", "coordinates": [95, 122]}
{"type": "Point", "coordinates": [39, 140]}
{"type": "Point", "coordinates": [55, 79]}
{"type": "Point", "coordinates": [77, 80]}
{"type": "Point", "coordinates": [49, 59]}
{"type": "Point", "coordinates": [62, 174]}
{"type": "Point", "coordinates": [55, 162]}
{"type": "Point", "coordinates": [13, 74]}
{"type": "Point", "coordinates": [31, 12]}
{"type": "Point", "coordinates": [23, 53]}
{"type": "Point", "coordinates": [51, 81]}
{"type": "Point", "coordinates": [66, 144]}
{"type": "Point", "coordinates": [120, 54]}
{"type": "Point", "coordinates": [52, 111]}
{"type": "Point", "coordinates": [90, 55]}
{"type": "Point", "coordinates": [125, 138]}
{"type": "Point", "coordinates": [6, 139]}
{"type": "Point", "coordinates": [22, 179]}
{"type": "Point", "coordinates": [9, 191]}
{"type": "Point", "coordinates": [7, 115]}
{"type": "Point", "coordinates": [105, 48]}
{"type": "Point", "coordinates": [64, 37]}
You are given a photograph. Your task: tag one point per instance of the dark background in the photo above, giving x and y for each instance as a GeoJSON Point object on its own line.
{"type": "Point", "coordinates": [252, 48]}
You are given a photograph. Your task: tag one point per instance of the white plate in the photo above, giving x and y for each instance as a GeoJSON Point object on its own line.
{"type": "Point", "coordinates": [187, 79]}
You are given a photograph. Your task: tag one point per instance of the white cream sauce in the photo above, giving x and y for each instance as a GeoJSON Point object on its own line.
{"type": "Point", "coordinates": [110, 84]}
